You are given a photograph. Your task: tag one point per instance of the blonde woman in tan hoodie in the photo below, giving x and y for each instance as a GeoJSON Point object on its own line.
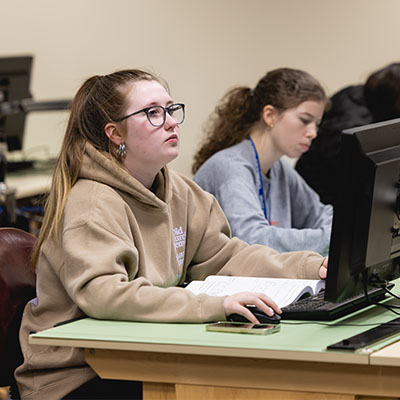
{"type": "Point", "coordinates": [122, 233]}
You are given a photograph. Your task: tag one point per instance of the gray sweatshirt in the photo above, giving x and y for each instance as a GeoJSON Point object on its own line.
{"type": "Point", "coordinates": [297, 220]}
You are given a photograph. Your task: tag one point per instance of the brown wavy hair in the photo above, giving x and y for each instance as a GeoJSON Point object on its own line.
{"type": "Point", "coordinates": [101, 99]}
{"type": "Point", "coordinates": [241, 108]}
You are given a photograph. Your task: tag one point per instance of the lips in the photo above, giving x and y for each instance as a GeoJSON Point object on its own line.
{"type": "Point", "coordinates": [305, 146]}
{"type": "Point", "coordinates": [172, 137]}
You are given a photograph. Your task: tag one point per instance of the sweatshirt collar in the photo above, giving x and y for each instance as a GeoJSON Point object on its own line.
{"type": "Point", "coordinates": [100, 167]}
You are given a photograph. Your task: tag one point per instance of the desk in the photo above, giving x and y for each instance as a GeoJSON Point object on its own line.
{"type": "Point", "coordinates": [25, 187]}
{"type": "Point", "coordinates": [181, 361]}
{"type": "Point", "coordinates": [29, 183]}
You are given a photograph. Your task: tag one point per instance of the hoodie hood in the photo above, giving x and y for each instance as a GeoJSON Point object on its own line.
{"type": "Point", "coordinates": [98, 167]}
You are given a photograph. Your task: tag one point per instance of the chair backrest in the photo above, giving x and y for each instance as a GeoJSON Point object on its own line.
{"type": "Point", "coordinates": [17, 287]}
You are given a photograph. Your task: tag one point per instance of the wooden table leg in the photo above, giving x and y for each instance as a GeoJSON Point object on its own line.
{"type": "Point", "coordinates": [158, 391]}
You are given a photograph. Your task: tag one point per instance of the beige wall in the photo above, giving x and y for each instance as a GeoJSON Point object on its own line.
{"type": "Point", "coordinates": [201, 47]}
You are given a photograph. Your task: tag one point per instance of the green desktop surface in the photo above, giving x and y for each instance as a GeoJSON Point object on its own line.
{"type": "Point", "coordinates": [293, 335]}
{"type": "Point", "coordinates": [172, 357]}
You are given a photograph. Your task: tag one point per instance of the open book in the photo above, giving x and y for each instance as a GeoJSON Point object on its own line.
{"type": "Point", "coordinates": [282, 291]}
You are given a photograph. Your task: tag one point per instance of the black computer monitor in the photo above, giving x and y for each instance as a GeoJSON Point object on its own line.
{"type": "Point", "coordinates": [365, 240]}
{"type": "Point", "coordinates": [15, 75]}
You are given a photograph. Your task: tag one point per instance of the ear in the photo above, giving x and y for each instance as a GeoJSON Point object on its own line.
{"type": "Point", "coordinates": [114, 133]}
{"type": "Point", "coordinates": [269, 115]}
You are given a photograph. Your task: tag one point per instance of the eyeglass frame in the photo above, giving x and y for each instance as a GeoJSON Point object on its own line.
{"type": "Point", "coordinates": [146, 111]}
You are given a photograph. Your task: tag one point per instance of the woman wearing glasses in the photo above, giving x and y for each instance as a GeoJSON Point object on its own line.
{"type": "Point", "coordinates": [122, 232]}
{"type": "Point", "coordinates": [265, 200]}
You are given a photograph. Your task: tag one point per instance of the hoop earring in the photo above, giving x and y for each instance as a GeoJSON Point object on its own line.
{"type": "Point", "coordinates": [121, 151]}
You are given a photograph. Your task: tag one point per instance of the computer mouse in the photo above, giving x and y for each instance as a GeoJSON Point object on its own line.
{"type": "Point", "coordinates": [259, 314]}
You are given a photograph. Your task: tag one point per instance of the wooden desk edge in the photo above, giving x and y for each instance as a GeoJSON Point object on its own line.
{"type": "Point", "coordinates": [290, 355]}
{"type": "Point", "coordinates": [237, 372]}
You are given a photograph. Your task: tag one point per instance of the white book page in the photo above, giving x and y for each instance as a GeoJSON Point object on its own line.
{"type": "Point", "coordinates": [282, 291]}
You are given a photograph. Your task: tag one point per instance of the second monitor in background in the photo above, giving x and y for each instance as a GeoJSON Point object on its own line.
{"type": "Point", "coordinates": [15, 103]}
{"type": "Point", "coordinates": [15, 76]}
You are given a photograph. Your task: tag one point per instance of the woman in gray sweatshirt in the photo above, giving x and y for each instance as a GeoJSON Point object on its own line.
{"type": "Point", "coordinates": [265, 200]}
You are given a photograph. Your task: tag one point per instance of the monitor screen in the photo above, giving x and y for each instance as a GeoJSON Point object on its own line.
{"type": "Point", "coordinates": [365, 240]}
{"type": "Point", "coordinates": [15, 74]}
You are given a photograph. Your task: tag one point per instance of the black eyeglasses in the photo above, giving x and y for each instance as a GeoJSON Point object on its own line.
{"type": "Point", "coordinates": [158, 114]}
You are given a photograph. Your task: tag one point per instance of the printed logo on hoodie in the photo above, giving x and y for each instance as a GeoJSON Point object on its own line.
{"type": "Point", "coordinates": [179, 242]}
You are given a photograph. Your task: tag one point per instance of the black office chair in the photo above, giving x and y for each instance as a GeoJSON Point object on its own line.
{"type": "Point", "coordinates": [17, 287]}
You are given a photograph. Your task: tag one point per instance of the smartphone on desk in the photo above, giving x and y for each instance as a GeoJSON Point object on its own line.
{"type": "Point", "coordinates": [240, 327]}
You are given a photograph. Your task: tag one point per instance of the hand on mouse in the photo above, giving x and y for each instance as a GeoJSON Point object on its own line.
{"type": "Point", "coordinates": [236, 303]}
{"type": "Point", "coordinates": [323, 269]}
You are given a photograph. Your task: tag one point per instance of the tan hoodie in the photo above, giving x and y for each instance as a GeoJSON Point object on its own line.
{"type": "Point", "coordinates": [123, 253]}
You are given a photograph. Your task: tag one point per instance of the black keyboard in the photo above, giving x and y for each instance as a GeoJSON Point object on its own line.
{"type": "Point", "coordinates": [315, 308]}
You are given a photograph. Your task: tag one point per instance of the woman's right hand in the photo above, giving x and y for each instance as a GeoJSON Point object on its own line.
{"type": "Point", "coordinates": [236, 304]}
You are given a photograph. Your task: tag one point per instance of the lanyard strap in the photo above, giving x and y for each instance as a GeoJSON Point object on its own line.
{"type": "Point", "coordinates": [260, 187]}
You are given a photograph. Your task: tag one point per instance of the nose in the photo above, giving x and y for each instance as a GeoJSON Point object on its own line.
{"type": "Point", "coordinates": [170, 122]}
{"type": "Point", "coordinates": [312, 131]}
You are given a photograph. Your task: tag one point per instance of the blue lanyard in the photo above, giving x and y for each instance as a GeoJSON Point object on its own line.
{"type": "Point", "coordinates": [260, 187]}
